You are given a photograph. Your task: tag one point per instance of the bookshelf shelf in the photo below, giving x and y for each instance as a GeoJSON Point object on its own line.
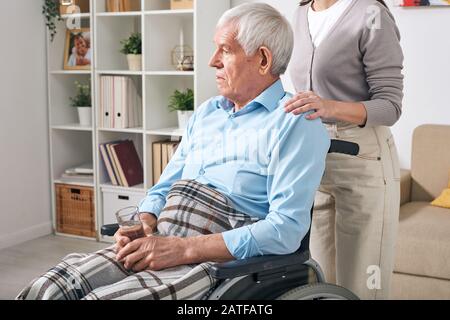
{"type": "Point", "coordinates": [170, 73]}
{"type": "Point", "coordinates": [160, 27]}
{"type": "Point", "coordinates": [76, 15]}
{"type": "Point", "coordinates": [74, 127]}
{"type": "Point", "coordinates": [75, 182]}
{"type": "Point", "coordinates": [119, 14]}
{"type": "Point", "coordinates": [126, 130]}
{"type": "Point", "coordinates": [69, 72]}
{"type": "Point", "coordinates": [170, 12]}
{"type": "Point", "coordinates": [120, 72]}
{"type": "Point", "coordinates": [136, 188]}
{"type": "Point", "coordinates": [171, 132]}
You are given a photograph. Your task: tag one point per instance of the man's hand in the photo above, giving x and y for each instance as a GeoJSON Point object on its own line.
{"type": "Point", "coordinates": [153, 252]}
{"type": "Point", "coordinates": [149, 222]}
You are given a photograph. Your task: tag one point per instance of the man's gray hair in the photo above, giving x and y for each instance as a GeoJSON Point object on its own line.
{"type": "Point", "coordinates": [259, 24]}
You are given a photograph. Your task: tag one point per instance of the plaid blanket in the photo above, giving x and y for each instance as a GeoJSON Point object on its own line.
{"type": "Point", "coordinates": [191, 209]}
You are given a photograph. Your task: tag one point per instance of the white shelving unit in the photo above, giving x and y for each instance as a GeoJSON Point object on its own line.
{"type": "Point", "coordinates": [72, 144]}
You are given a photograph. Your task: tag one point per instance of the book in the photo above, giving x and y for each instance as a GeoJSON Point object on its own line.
{"type": "Point", "coordinates": [85, 168]}
{"type": "Point", "coordinates": [108, 164]}
{"type": "Point", "coordinates": [76, 178]}
{"type": "Point", "coordinates": [129, 5]}
{"type": "Point", "coordinates": [114, 163]}
{"type": "Point", "coordinates": [157, 151]}
{"type": "Point", "coordinates": [129, 164]}
{"type": "Point", "coordinates": [113, 5]}
{"type": "Point", "coordinates": [164, 156]}
{"type": "Point", "coordinates": [172, 148]}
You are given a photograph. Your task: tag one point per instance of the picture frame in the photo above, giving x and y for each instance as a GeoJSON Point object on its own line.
{"type": "Point", "coordinates": [422, 3]}
{"type": "Point", "coordinates": [78, 51]}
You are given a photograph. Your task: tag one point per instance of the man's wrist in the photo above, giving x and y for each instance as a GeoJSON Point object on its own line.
{"type": "Point", "coordinates": [150, 219]}
{"type": "Point", "coordinates": [189, 250]}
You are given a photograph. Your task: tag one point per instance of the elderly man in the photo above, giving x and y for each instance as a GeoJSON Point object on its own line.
{"type": "Point", "coordinates": [241, 183]}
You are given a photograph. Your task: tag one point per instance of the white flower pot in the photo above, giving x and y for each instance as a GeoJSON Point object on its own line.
{"type": "Point", "coordinates": [183, 118]}
{"type": "Point", "coordinates": [134, 62]}
{"type": "Point", "coordinates": [85, 116]}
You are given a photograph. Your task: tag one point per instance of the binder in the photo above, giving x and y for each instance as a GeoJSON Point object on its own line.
{"type": "Point", "coordinates": [118, 103]}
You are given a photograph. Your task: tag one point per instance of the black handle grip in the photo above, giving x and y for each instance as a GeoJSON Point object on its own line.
{"type": "Point", "coordinates": [340, 146]}
{"type": "Point", "coordinates": [109, 229]}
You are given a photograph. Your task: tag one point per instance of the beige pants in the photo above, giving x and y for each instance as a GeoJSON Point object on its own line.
{"type": "Point", "coordinates": [356, 212]}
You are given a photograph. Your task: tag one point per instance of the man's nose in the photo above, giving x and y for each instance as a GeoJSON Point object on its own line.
{"type": "Point", "coordinates": [215, 62]}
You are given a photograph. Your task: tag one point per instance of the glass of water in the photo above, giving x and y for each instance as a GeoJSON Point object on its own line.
{"type": "Point", "coordinates": [130, 223]}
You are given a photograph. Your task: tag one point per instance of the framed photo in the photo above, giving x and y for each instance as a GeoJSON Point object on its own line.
{"type": "Point", "coordinates": [420, 3]}
{"type": "Point", "coordinates": [78, 52]}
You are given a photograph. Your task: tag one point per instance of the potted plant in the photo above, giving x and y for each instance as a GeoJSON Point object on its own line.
{"type": "Point", "coordinates": [82, 101]}
{"type": "Point", "coordinates": [183, 103]}
{"type": "Point", "coordinates": [132, 48]}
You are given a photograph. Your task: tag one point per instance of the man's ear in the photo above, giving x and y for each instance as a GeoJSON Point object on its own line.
{"type": "Point", "coordinates": [266, 61]}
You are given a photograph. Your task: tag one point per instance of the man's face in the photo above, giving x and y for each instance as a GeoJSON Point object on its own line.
{"type": "Point", "coordinates": [237, 74]}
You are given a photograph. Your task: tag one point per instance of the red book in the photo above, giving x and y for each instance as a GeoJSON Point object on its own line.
{"type": "Point", "coordinates": [130, 166]}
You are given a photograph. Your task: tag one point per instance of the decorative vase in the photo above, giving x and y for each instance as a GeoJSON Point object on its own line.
{"type": "Point", "coordinates": [134, 62]}
{"type": "Point", "coordinates": [183, 118]}
{"type": "Point", "coordinates": [85, 116]}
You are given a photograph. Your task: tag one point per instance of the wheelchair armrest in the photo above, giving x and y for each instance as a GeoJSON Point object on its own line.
{"type": "Point", "coordinates": [237, 268]}
{"type": "Point", "coordinates": [109, 229]}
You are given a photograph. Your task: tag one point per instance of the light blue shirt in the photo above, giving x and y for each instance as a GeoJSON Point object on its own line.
{"type": "Point", "coordinates": [267, 162]}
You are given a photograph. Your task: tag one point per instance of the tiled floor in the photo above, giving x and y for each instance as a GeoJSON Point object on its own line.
{"type": "Point", "coordinates": [22, 263]}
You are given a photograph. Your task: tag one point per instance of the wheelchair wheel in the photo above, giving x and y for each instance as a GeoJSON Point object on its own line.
{"type": "Point", "coordinates": [318, 291]}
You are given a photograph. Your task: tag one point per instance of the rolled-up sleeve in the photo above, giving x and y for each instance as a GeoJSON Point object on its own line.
{"type": "Point", "coordinates": [295, 170]}
{"type": "Point", "coordinates": [383, 63]}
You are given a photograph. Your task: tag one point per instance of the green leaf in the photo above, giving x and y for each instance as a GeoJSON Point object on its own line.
{"type": "Point", "coordinates": [132, 45]}
{"type": "Point", "coordinates": [182, 100]}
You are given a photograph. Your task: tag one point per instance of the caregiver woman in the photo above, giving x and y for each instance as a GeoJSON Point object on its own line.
{"type": "Point", "coordinates": [347, 66]}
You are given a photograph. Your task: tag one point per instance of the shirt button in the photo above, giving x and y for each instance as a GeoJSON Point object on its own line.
{"type": "Point", "coordinates": [202, 172]}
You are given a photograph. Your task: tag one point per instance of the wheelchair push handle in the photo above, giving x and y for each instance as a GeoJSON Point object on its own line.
{"type": "Point", "coordinates": [345, 147]}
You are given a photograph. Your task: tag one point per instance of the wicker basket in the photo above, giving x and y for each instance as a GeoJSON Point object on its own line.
{"type": "Point", "coordinates": [75, 210]}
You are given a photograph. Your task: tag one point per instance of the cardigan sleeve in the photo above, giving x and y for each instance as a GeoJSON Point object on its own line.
{"type": "Point", "coordinates": [383, 63]}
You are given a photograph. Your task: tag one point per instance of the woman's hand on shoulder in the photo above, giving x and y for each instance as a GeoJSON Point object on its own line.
{"type": "Point", "coordinates": [305, 101]}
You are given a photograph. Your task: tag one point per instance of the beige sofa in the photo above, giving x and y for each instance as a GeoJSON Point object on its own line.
{"type": "Point", "coordinates": [422, 265]}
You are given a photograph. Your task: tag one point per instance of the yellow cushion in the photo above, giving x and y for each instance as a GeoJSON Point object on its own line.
{"type": "Point", "coordinates": [443, 200]}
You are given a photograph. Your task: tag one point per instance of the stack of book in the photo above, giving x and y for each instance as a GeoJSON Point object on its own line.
{"type": "Point", "coordinates": [163, 151]}
{"type": "Point", "coordinates": [81, 173]}
{"type": "Point", "coordinates": [120, 103]}
{"type": "Point", "coordinates": [122, 163]}
{"type": "Point", "coordinates": [122, 5]}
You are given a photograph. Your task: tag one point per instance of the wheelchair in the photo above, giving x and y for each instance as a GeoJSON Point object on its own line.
{"type": "Point", "coordinates": [294, 276]}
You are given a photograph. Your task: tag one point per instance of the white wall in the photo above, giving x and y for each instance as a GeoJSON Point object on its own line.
{"type": "Point", "coordinates": [24, 160]}
{"type": "Point", "coordinates": [426, 46]}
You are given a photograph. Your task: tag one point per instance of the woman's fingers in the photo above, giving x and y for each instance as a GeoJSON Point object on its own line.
{"type": "Point", "coordinates": [300, 102]}
{"type": "Point", "coordinates": [305, 108]}
{"type": "Point", "coordinates": [314, 115]}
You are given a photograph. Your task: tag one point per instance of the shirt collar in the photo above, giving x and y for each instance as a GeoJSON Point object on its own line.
{"type": "Point", "coordinates": [269, 98]}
